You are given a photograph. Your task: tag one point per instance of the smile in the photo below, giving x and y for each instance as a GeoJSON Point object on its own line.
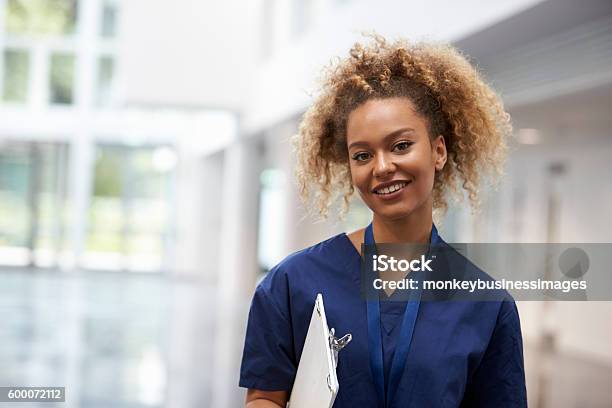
{"type": "Point", "coordinates": [391, 189]}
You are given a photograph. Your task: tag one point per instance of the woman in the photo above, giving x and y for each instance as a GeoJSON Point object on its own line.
{"type": "Point", "coordinates": [404, 124]}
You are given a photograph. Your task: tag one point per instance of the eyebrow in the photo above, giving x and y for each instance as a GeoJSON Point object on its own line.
{"type": "Point", "coordinates": [387, 137]}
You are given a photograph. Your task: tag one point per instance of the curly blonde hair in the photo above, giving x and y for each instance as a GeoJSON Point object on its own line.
{"type": "Point", "coordinates": [444, 88]}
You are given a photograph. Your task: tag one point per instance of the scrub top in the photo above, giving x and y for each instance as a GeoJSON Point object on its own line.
{"type": "Point", "coordinates": [462, 354]}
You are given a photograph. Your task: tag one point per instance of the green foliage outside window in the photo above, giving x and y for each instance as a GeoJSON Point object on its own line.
{"type": "Point", "coordinates": [16, 72]}
{"type": "Point", "coordinates": [56, 17]}
{"type": "Point", "coordinates": [62, 78]}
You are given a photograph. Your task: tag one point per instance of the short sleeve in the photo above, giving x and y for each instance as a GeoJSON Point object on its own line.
{"type": "Point", "coordinates": [499, 380]}
{"type": "Point", "coordinates": [268, 359]}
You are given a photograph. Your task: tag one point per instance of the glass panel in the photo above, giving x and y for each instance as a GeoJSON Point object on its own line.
{"type": "Point", "coordinates": [146, 181]}
{"type": "Point", "coordinates": [272, 202]}
{"type": "Point", "coordinates": [147, 193]}
{"type": "Point", "coordinates": [106, 213]}
{"type": "Point", "coordinates": [129, 216]}
{"type": "Point", "coordinates": [51, 165]}
{"type": "Point", "coordinates": [109, 18]}
{"type": "Point", "coordinates": [41, 16]}
{"type": "Point", "coordinates": [33, 192]}
{"type": "Point", "coordinates": [106, 70]}
{"type": "Point", "coordinates": [14, 180]}
{"type": "Point", "coordinates": [16, 73]}
{"type": "Point", "coordinates": [62, 79]}
{"type": "Point", "coordinates": [107, 182]}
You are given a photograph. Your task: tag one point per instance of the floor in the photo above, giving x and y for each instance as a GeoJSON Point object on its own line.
{"type": "Point", "coordinates": [114, 340]}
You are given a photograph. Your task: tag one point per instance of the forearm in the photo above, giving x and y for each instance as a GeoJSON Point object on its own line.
{"type": "Point", "coordinates": [262, 403]}
{"type": "Point", "coordinates": [266, 399]}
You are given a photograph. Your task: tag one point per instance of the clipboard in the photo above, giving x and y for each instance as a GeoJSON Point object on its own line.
{"type": "Point", "coordinates": [316, 383]}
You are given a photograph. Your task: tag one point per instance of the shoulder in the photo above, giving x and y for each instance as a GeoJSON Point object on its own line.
{"type": "Point", "coordinates": [330, 254]}
{"type": "Point", "coordinates": [454, 265]}
{"type": "Point", "coordinates": [325, 253]}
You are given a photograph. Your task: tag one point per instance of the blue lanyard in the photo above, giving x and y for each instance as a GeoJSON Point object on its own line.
{"type": "Point", "coordinates": [374, 335]}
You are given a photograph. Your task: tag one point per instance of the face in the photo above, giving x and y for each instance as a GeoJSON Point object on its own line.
{"type": "Point", "coordinates": [392, 157]}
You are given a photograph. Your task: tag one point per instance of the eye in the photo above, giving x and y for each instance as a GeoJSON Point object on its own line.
{"type": "Point", "coordinates": [361, 156]}
{"type": "Point", "coordinates": [402, 146]}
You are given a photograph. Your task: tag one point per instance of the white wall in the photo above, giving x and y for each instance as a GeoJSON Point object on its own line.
{"type": "Point", "coordinates": [211, 51]}
{"type": "Point", "coordinates": [282, 85]}
{"type": "Point", "coordinates": [187, 52]}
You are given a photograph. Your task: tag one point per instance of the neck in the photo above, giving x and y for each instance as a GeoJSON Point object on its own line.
{"type": "Point", "coordinates": [415, 228]}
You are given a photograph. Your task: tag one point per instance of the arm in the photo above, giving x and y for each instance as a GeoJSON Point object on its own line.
{"type": "Point", "coordinates": [499, 380]}
{"type": "Point", "coordinates": [268, 359]}
{"type": "Point", "coordinates": [266, 399]}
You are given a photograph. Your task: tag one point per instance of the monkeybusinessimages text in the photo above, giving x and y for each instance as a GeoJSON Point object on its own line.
{"type": "Point", "coordinates": [385, 263]}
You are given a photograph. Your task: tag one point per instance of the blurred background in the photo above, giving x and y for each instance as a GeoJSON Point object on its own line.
{"type": "Point", "coordinates": [146, 179]}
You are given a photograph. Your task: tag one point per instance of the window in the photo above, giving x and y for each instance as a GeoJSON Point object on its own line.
{"type": "Point", "coordinates": [271, 217]}
{"type": "Point", "coordinates": [61, 81]}
{"type": "Point", "coordinates": [108, 26]}
{"type": "Point", "coordinates": [15, 175]}
{"type": "Point", "coordinates": [16, 73]}
{"type": "Point", "coordinates": [33, 179]}
{"type": "Point", "coordinates": [41, 16]}
{"type": "Point", "coordinates": [104, 89]}
{"type": "Point", "coordinates": [130, 207]}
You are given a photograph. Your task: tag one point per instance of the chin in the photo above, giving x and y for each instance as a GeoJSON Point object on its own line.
{"type": "Point", "coordinates": [394, 213]}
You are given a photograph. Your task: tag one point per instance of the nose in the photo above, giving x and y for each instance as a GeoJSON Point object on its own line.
{"type": "Point", "coordinates": [383, 166]}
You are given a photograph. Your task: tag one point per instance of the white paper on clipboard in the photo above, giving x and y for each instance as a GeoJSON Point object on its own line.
{"type": "Point", "coordinates": [316, 383]}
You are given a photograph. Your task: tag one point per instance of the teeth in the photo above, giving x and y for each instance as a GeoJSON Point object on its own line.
{"type": "Point", "coordinates": [391, 189]}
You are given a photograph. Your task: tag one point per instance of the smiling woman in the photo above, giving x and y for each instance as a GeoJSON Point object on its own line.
{"type": "Point", "coordinates": [442, 89]}
{"type": "Point", "coordinates": [406, 125]}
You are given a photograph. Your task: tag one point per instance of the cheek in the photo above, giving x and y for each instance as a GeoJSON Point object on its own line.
{"type": "Point", "coordinates": [419, 166]}
{"type": "Point", "coordinates": [426, 178]}
{"type": "Point", "coordinates": [358, 175]}
{"type": "Point", "coordinates": [422, 170]}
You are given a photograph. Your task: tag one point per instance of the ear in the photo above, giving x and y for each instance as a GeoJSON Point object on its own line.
{"type": "Point", "coordinates": [439, 152]}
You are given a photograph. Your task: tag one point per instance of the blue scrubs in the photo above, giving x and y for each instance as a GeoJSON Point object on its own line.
{"type": "Point", "coordinates": [391, 314]}
{"type": "Point", "coordinates": [463, 353]}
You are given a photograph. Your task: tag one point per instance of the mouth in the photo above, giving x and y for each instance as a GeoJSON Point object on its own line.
{"type": "Point", "coordinates": [391, 191]}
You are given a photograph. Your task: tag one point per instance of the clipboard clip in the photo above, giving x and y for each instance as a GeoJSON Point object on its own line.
{"type": "Point", "coordinates": [337, 344]}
